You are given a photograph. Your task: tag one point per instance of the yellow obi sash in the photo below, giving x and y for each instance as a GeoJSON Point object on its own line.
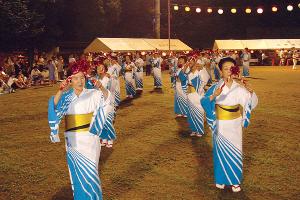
{"type": "Point", "coordinates": [228, 112]}
{"type": "Point", "coordinates": [78, 123]}
{"type": "Point", "coordinates": [191, 89]}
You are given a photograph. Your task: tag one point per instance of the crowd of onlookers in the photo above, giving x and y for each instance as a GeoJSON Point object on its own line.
{"type": "Point", "coordinates": [286, 56]}
{"type": "Point", "coordinates": [17, 73]}
{"type": "Point", "coordinates": [14, 74]}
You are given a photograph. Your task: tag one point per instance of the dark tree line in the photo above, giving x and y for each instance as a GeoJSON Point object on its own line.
{"type": "Point", "coordinates": [28, 24]}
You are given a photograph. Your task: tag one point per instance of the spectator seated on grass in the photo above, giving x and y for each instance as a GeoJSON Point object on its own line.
{"type": "Point", "coordinates": [36, 76]}
{"type": "Point", "coordinates": [23, 81]}
{"type": "Point", "coordinates": [4, 86]}
{"type": "Point", "coordinates": [45, 74]}
{"type": "Point", "coordinates": [8, 66]}
{"type": "Point", "coordinates": [41, 63]}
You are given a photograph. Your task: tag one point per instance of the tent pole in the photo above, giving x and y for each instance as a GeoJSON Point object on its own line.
{"type": "Point", "coordinates": [157, 19]}
{"type": "Point", "coordinates": [169, 24]}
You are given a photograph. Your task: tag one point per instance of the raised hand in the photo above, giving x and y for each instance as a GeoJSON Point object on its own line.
{"type": "Point", "coordinates": [65, 85]}
{"type": "Point", "coordinates": [248, 86]}
{"type": "Point", "coordinates": [244, 83]}
{"type": "Point", "coordinates": [97, 84]}
{"type": "Point", "coordinates": [217, 92]}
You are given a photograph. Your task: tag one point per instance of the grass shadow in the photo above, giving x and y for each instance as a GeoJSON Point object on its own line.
{"type": "Point", "coordinates": [125, 103]}
{"type": "Point", "coordinates": [227, 194]}
{"type": "Point", "coordinates": [205, 181]}
{"type": "Point", "coordinates": [105, 153]}
{"type": "Point", "coordinates": [256, 78]}
{"type": "Point", "coordinates": [157, 90]}
{"type": "Point", "coordinates": [65, 193]}
{"type": "Point", "coordinates": [138, 93]}
{"type": "Point", "coordinates": [183, 127]}
{"type": "Point", "coordinates": [205, 172]}
{"type": "Point", "coordinates": [39, 87]}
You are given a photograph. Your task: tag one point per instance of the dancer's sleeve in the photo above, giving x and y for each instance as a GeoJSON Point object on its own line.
{"type": "Point", "coordinates": [249, 101]}
{"type": "Point", "coordinates": [99, 116]}
{"type": "Point", "coordinates": [209, 106]}
{"type": "Point", "coordinates": [53, 120]}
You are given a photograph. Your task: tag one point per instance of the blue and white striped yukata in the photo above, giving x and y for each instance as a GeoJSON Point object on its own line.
{"type": "Point", "coordinates": [114, 72]}
{"type": "Point", "coordinates": [180, 99]}
{"type": "Point", "coordinates": [129, 79]}
{"type": "Point", "coordinates": [226, 120]}
{"type": "Point", "coordinates": [82, 140]}
{"type": "Point", "coordinates": [157, 73]}
{"type": "Point", "coordinates": [195, 93]}
{"type": "Point", "coordinates": [139, 63]}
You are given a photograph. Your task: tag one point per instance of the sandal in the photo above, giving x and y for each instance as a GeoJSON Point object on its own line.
{"type": "Point", "coordinates": [236, 188]}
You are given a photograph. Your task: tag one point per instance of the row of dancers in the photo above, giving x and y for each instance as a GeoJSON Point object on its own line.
{"type": "Point", "coordinates": [89, 98]}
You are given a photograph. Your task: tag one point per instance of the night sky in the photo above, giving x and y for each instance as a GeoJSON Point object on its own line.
{"type": "Point", "coordinates": [79, 22]}
{"type": "Point", "coordinates": [200, 30]}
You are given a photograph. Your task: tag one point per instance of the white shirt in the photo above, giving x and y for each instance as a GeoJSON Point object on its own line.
{"type": "Point", "coordinates": [35, 72]}
{"type": "Point", "coordinates": [246, 57]}
{"type": "Point", "coordinates": [281, 54]}
{"type": "Point", "coordinates": [295, 55]}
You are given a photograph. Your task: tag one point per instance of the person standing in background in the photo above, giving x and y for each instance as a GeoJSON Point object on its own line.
{"type": "Point", "coordinates": [295, 58]}
{"type": "Point", "coordinates": [281, 56]}
{"type": "Point", "coordinates": [17, 66]}
{"type": "Point", "coordinates": [246, 56]}
{"type": "Point", "coordinates": [51, 69]}
{"type": "Point", "coordinates": [148, 64]}
{"type": "Point", "coordinates": [60, 68]}
{"type": "Point", "coordinates": [172, 62]}
{"type": "Point", "coordinates": [263, 57]}
{"type": "Point", "coordinates": [54, 62]}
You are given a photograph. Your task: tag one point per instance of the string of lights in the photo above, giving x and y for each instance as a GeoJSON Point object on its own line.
{"type": "Point", "coordinates": [232, 10]}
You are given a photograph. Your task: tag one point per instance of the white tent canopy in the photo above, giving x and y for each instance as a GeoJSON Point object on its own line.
{"type": "Point", "coordinates": [134, 44]}
{"type": "Point", "coordinates": [257, 44]}
{"type": "Point", "coordinates": [163, 44]}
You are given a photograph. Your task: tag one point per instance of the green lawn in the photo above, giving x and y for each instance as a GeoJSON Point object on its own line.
{"type": "Point", "coordinates": [154, 157]}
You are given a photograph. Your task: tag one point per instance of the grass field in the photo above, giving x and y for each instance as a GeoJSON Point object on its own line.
{"type": "Point", "coordinates": [153, 157]}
